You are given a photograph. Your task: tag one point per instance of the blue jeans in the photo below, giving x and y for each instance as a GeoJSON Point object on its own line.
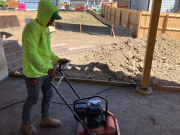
{"type": "Point", "coordinates": [34, 86]}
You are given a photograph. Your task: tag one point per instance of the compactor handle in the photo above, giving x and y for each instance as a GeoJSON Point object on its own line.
{"type": "Point", "coordinates": [62, 63]}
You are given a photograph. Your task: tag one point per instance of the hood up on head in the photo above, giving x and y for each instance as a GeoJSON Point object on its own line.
{"type": "Point", "coordinates": [45, 12]}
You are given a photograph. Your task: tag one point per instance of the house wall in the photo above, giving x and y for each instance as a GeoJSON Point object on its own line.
{"type": "Point", "coordinates": [30, 4]}
{"type": "Point", "coordinates": [167, 5]}
{"type": "Point", "coordinates": [90, 3]}
{"type": "Point", "coordinates": [106, 0]}
{"type": "Point", "coordinates": [146, 5]}
{"type": "Point", "coordinates": [33, 4]}
{"type": "Point", "coordinates": [176, 7]}
{"type": "Point", "coordinates": [77, 4]}
{"type": "Point", "coordinates": [26, 1]}
{"type": "Point", "coordinates": [139, 4]}
{"type": "Point", "coordinates": [55, 2]}
{"type": "Point", "coordinates": [63, 1]}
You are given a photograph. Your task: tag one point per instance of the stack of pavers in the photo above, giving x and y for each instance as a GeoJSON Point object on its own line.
{"type": "Point", "coordinates": [14, 54]}
{"type": "Point", "coordinates": [63, 49]}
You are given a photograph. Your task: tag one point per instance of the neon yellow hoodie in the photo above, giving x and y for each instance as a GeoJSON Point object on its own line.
{"type": "Point", "coordinates": [36, 42]}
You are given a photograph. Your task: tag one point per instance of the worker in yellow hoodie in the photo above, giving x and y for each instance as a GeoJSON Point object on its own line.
{"type": "Point", "coordinates": [37, 67]}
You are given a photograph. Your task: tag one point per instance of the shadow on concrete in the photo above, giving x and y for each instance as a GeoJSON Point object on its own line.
{"type": "Point", "coordinates": [155, 114]}
{"type": "Point", "coordinates": [101, 71]}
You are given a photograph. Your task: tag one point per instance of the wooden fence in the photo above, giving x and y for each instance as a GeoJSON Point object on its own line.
{"type": "Point", "coordinates": [138, 20]}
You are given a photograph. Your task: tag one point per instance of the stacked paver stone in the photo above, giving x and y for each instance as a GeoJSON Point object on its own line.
{"type": "Point", "coordinates": [14, 54]}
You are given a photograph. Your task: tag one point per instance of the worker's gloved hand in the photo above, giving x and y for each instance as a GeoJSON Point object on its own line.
{"type": "Point", "coordinates": [64, 60]}
{"type": "Point", "coordinates": [52, 72]}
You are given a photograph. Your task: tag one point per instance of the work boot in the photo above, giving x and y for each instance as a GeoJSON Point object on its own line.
{"type": "Point", "coordinates": [29, 129]}
{"type": "Point", "coordinates": [50, 122]}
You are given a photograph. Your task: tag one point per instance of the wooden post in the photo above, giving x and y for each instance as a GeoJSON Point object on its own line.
{"type": "Point", "coordinates": [112, 31]}
{"type": "Point", "coordinates": [165, 23]}
{"type": "Point", "coordinates": [110, 13]}
{"type": "Point", "coordinates": [115, 15]}
{"type": "Point", "coordinates": [151, 43]}
{"type": "Point", "coordinates": [120, 17]}
{"type": "Point", "coordinates": [80, 28]}
{"type": "Point", "coordinates": [102, 8]}
{"type": "Point", "coordinates": [109, 78]}
{"type": "Point", "coordinates": [4, 37]}
{"type": "Point", "coordinates": [114, 34]}
{"type": "Point", "coordinates": [128, 18]}
{"type": "Point", "coordinates": [106, 12]}
{"type": "Point", "coordinates": [139, 25]}
{"type": "Point", "coordinates": [127, 3]}
{"type": "Point", "coordinates": [54, 24]}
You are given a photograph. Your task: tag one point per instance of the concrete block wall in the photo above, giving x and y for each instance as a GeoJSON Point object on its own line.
{"type": "Point", "coordinates": [13, 54]}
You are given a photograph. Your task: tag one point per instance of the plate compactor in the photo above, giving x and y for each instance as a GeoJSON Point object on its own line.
{"type": "Point", "coordinates": [92, 118]}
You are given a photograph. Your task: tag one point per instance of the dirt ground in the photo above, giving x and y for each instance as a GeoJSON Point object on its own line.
{"type": "Point", "coordinates": [73, 39]}
{"type": "Point", "coordinates": [155, 114]}
{"type": "Point", "coordinates": [67, 17]}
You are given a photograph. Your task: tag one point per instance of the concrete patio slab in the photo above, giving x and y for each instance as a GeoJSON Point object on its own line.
{"type": "Point", "coordinates": [155, 114]}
